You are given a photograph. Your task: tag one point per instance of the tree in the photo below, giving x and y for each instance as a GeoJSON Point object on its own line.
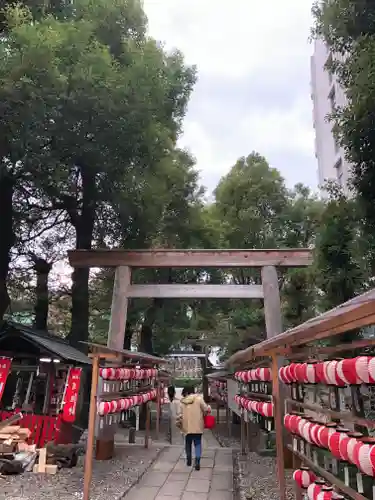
{"type": "Point", "coordinates": [338, 272]}
{"type": "Point", "coordinates": [93, 135]}
{"type": "Point", "coordinates": [349, 30]}
{"type": "Point", "coordinates": [256, 210]}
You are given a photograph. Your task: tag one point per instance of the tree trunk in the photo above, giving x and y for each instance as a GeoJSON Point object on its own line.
{"type": "Point", "coordinates": [128, 336]}
{"type": "Point", "coordinates": [7, 237]}
{"type": "Point", "coordinates": [146, 344]}
{"type": "Point", "coordinates": [42, 269]}
{"type": "Point", "coordinates": [79, 330]}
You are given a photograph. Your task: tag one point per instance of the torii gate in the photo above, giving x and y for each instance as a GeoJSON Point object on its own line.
{"type": "Point", "coordinates": [125, 260]}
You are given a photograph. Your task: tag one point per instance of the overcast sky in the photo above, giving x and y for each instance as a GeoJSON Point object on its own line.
{"type": "Point", "coordinates": [253, 90]}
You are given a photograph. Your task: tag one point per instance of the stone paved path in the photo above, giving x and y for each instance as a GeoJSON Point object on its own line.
{"type": "Point", "coordinates": [170, 478]}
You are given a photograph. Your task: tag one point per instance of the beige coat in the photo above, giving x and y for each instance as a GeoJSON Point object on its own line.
{"type": "Point", "coordinates": [193, 408]}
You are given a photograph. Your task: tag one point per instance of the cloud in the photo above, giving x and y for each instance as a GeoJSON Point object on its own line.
{"type": "Point", "coordinates": [253, 91]}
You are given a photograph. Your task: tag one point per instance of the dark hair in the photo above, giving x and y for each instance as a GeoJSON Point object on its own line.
{"type": "Point", "coordinates": [171, 392]}
{"type": "Point", "coordinates": [189, 389]}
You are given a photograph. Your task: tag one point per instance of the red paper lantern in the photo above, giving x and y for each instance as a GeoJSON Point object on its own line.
{"type": "Point", "coordinates": [362, 458]}
{"type": "Point", "coordinates": [267, 410]}
{"type": "Point", "coordinates": [363, 370]}
{"type": "Point", "coordinates": [314, 429]}
{"type": "Point", "coordinates": [264, 374]}
{"type": "Point", "coordinates": [372, 456]}
{"type": "Point", "coordinates": [304, 477]}
{"type": "Point", "coordinates": [326, 493]}
{"type": "Point", "coordinates": [287, 423]}
{"type": "Point", "coordinates": [104, 408]}
{"type": "Point", "coordinates": [282, 375]}
{"type": "Point", "coordinates": [324, 435]}
{"type": "Point", "coordinates": [310, 373]}
{"type": "Point", "coordinates": [305, 431]}
{"type": "Point", "coordinates": [346, 371]}
{"type": "Point", "coordinates": [301, 372]}
{"type": "Point", "coordinates": [334, 442]}
{"type": "Point", "coordinates": [332, 375]}
{"type": "Point", "coordinates": [291, 370]}
{"type": "Point", "coordinates": [314, 489]}
{"type": "Point", "coordinates": [294, 421]}
{"type": "Point", "coordinates": [319, 373]}
{"type": "Point", "coordinates": [113, 406]}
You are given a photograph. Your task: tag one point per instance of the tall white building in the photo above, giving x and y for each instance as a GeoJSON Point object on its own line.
{"type": "Point", "coordinates": [326, 95]}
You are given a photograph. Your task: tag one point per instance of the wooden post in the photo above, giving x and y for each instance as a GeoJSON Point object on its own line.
{"type": "Point", "coordinates": [119, 308]}
{"type": "Point", "coordinates": [272, 313]}
{"type": "Point", "coordinates": [158, 408]}
{"type": "Point", "coordinates": [217, 412]}
{"type": "Point", "coordinates": [248, 434]}
{"type": "Point", "coordinates": [227, 417]}
{"type": "Point", "coordinates": [91, 429]}
{"type": "Point", "coordinates": [147, 431]}
{"type": "Point", "coordinates": [116, 335]}
{"type": "Point", "coordinates": [278, 417]}
{"type": "Point", "coordinates": [243, 440]}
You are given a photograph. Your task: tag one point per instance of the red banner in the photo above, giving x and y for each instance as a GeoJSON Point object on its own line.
{"type": "Point", "coordinates": [73, 383]}
{"type": "Point", "coordinates": [5, 364]}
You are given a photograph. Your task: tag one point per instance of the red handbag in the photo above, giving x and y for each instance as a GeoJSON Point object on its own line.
{"type": "Point", "coordinates": [209, 421]}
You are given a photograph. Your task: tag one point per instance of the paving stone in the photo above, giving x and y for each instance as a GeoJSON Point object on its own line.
{"type": "Point", "coordinates": [154, 479]}
{"type": "Point", "coordinates": [220, 495]}
{"type": "Point", "coordinates": [218, 469]}
{"type": "Point", "coordinates": [207, 462]}
{"type": "Point", "coordinates": [208, 453]}
{"type": "Point", "coordinates": [224, 482]}
{"type": "Point", "coordinates": [144, 493]}
{"type": "Point", "coordinates": [202, 474]}
{"type": "Point", "coordinates": [163, 466]}
{"type": "Point", "coordinates": [181, 467]}
{"type": "Point", "coordinates": [173, 488]}
{"type": "Point", "coordinates": [179, 476]}
{"type": "Point", "coordinates": [194, 496]}
{"type": "Point", "coordinates": [198, 485]}
{"type": "Point", "coordinates": [163, 497]}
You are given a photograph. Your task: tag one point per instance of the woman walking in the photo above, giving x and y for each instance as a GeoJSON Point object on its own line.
{"type": "Point", "coordinates": [190, 419]}
{"type": "Point", "coordinates": [174, 410]}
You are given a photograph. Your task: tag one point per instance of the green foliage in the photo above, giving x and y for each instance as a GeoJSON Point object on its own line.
{"type": "Point", "coordinates": [349, 30]}
{"type": "Point", "coordinates": [337, 262]}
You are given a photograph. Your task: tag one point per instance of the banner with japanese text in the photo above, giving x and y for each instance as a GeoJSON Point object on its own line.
{"type": "Point", "coordinates": [73, 383]}
{"type": "Point", "coordinates": [5, 364]}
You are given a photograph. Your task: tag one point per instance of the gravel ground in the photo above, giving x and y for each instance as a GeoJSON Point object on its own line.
{"type": "Point", "coordinates": [255, 476]}
{"type": "Point", "coordinates": [111, 479]}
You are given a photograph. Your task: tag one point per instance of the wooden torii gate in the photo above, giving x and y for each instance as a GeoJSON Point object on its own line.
{"type": "Point", "coordinates": [125, 260]}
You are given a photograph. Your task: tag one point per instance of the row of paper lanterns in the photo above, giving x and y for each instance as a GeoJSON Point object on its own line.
{"type": "Point", "coordinates": [256, 374]}
{"type": "Point", "coordinates": [341, 445]}
{"type": "Point", "coordinates": [264, 409]}
{"type": "Point", "coordinates": [127, 373]}
{"type": "Point", "coordinates": [123, 404]}
{"type": "Point", "coordinates": [350, 371]}
{"type": "Point", "coordinates": [316, 489]}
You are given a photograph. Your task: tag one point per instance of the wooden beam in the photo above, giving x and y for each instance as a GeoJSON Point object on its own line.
{"type": "Point", "coordinates": [290, 257]}
{"type": "Point", "coordinates": [196, 291]}
{"type": "Point", "coordinates": [356, 313]}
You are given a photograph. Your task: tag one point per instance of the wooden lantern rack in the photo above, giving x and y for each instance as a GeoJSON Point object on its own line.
{"type": "Point", "coordinates": [298, 344]}
{"type": "Point", "coordinates": [100, 353]}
